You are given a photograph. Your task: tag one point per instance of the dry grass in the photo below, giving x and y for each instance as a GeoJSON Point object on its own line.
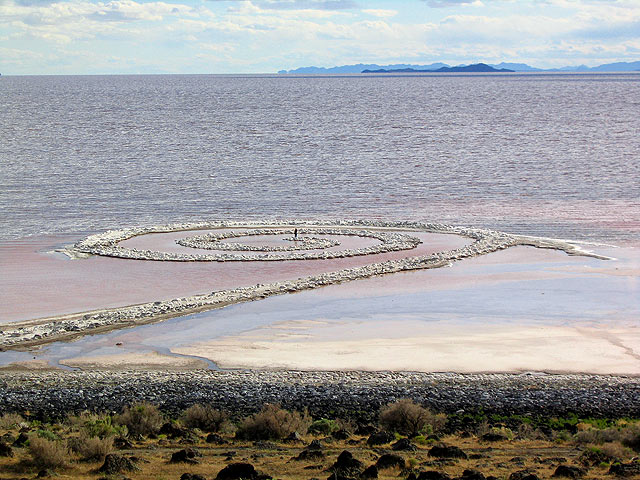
{"type": "Point", "coordinates": [496, 458]}
{"type": "Point", "coordinates": [91, 448]}
{"type": "Point", "coordinates": [48, 453]}
{"type": "Point", "coordinates": [273, 423]}
{"type": "Point", "coordinates": [499, 459]}
{"type": "Point", "coordinates": [141, 419]}
{"type": "Point", "coordinates": [408, 418]}
{"type": "Point", "coordinates": [10, 420]}
{"type": "Point", "coordinates": [206, 418]}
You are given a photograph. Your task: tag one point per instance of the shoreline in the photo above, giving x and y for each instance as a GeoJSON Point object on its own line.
{"type": "Point", "coordinates": [322, 393]}
{"type": "Point", "coordinates": [32, 333]}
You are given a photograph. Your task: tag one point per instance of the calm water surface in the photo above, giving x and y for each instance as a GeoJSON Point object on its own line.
{"type": "Point", "coordinates": [553, 155]}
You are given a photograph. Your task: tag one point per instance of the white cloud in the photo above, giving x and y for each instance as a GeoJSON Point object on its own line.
{"type": "Point", "coordinates": [380, 13]}
{"type": "Point", "coordinates": [263, 36]}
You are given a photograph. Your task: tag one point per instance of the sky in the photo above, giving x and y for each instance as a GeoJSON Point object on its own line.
{"type": "Point", "coordinates": [264, 36]}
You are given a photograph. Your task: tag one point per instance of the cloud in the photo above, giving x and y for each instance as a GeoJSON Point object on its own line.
{"type": "Point", "coordinates": [380, 13]}
{"type": "Point", "coordinates": [300, 4]}
{"type": "Point", "coordinates": [451, 3]}
{"type": "Point", "coordinates": [269, 35]}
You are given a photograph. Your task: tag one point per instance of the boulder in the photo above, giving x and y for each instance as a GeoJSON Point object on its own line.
{"type": "Point", "coordinates": [569, 471]}
{"type": "Point", "coordinates": [494, 437]}
{"type": "Point", "coordinates": [346, 465]}
{"type": "Point", "coordinates": [592, 458]}
{"type": "Point", "coordinates": [370, 472]}
{"type": "Point", "coordinates": [172, 430]}
{"type": "Point", "coordinates": [523, 475]}
{"type": "Point", "coordinates": [433, 475]}
{"type": "Point", "coordinates": [404, 445]}
{"type": "Point", "coordinates": [625, 469]}
{"type": "Point", "coordinates": [390, 460]}
{"type": "Point", "coordinates": [310, 454]}
{"type": "Point", "coordinates": [238, 471]}
{"type": "Point", "coordinates": [365, 430]}
{"type": "Point", "coordinates": [215, 438]}
{"type": "Point", "coordinates": [341, 434]}
{"type": "Point", "coordinates": [471, 474]}
{"type": "Point", "coordinates": [446, 451]}
{"type": "Point", "coordinates": [114, 463]}
{"type": "Point", "coordinates": [293, 437]}
{"type": "Point", "coordinates": [5, 450]}
{"type": "Point", "coordinates": [122, 444]}
{"type": "Point", "coordinates": [192, 476]}
{"type": "Point", "coordinates": [186, 455]}
{"type": "Point", "coordinates": [21, 441]}
{"type": "Point", "coordinates": [380, 438]}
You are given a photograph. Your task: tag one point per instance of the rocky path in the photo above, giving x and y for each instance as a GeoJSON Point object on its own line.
{"type": "Point", "coordinates": [331, 394]}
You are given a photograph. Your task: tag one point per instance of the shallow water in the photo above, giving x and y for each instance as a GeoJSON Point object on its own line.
{"type": "Point", "coordinates": [35, 283]}
{"type": "Point", "coordinates": [521, 288]}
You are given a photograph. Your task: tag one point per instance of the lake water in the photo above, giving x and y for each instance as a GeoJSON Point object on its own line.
{"type": "Point", "coordinates": [551, 155]}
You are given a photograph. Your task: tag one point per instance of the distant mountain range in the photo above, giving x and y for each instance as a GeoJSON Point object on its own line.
{"type": "Point", "coordinates": [515, 67]}
{"type": "Point", "coordinates": [475, 68]}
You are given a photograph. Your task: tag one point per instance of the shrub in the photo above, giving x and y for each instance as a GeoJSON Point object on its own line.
{"type": "Point", "coordinates": [91, 447]}
{"type": "Point", "coordinates": [324, 426]}
{"type": "Point", "coordinates": [48, 453]}
{"type": "Point", "coordinates": [101, 426]}
{"type": "Point", "coordinates": [10, 420]}
{"type": "Point", "coordinates": [205, 418]}
{"type": "Point", "coordinates": [630, 437]}
{"type": "Point", "coordinates": [408, 418]}
{"type": "Point", "coordinates": [527, 432]}
{"type": "Point", "coordinates": [140, 419]}
{"type": "Point", "coordinates": [47, 434]}
{"type": "Point", "coordinates": [272, 422]}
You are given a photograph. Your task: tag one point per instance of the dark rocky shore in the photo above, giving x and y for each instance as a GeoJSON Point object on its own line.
{"type": "Point", "coordinates": [332, 394]}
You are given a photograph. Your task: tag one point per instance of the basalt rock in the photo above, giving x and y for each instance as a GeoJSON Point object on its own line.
{"type": "Point", "coordinates": [187, 455]}
{"type": "Point", "coordinates": [380, 438]}
{"type": "Point", "coordinates": [523, 475]}
{"type": "Point", "coordinates": [404, 445]}
{"type": "Point", "coordinates": [192, 476]}
{"type": "Point", "coordinates": [5, 450]}
{"type": "Point", "coordinates": [241, 471]}
{"type": "Point", "coordinates": [631, 469]}
{"type": "Point", "coordinates": [433, 475]}
{"type": "Point", "coordinates": [569, 471]}
{"type": "Point", "coordinates": [447, 451]}
{"type": "Point", "coordinates": [346, 465]}
{"type": "Point", "coordinates": [114, 464]}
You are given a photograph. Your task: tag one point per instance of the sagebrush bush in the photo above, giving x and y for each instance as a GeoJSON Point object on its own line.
{"type": "Point", "coordinates": [630, 437]}
{"type": "Point", "coordinates": [141, 419]}
{"type": "Point", "coordinates": [273, 423]}
{"type": "Point", "coordinates": [91, 447]}
{"type": "Point", "coordinates": [206, 418]}
{"type": "Point", "coordinates": [408, 418]}
{"type": "Point", "coordinates": [48, 453]}
{"type": "Point", "coordinates": [10, 420]}
{"type": "Point", "coordinates": [101, 426]}
{"type": "Point", "coordinates": [324, 426]}
{"type": "Point", "coordinates": [527, 432]}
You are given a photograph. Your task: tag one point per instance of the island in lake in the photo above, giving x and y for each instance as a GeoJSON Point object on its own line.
{"type": "Point", "coordinates": [475, 68]}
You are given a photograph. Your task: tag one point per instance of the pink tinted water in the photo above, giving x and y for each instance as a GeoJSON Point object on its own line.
{"type": "Point", "coordinates": [35, 283]}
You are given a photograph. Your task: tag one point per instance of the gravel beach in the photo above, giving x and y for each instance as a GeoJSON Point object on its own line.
{"type": "Point", "coordinates": [335, 394]}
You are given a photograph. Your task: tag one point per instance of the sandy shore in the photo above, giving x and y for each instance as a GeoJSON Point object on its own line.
{"type": "Point", "coordinates": [429, 348]}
